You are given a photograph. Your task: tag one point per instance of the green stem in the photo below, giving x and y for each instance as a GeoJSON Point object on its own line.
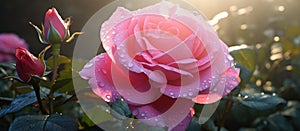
{"type": "Point", "coordinates": [36, 87]}
{"type": "Point", "coordinates": [55, 51]}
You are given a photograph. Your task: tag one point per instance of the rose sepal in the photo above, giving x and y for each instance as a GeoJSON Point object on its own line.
{"type": "Point", "coordinates": [40, 33]}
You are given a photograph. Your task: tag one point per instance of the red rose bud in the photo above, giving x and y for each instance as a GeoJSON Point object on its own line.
{"type": "Point", "coordinates": [55, 28]}
{"type": "Point", "coordinates": [28, 65]}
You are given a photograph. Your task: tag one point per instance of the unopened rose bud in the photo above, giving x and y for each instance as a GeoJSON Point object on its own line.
{"type": "Point", "coordinates": [55, 28]}
{"type": "Point", "coordinates": [28, 65]}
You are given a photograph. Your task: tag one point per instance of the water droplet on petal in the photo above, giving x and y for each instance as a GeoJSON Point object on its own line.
{"type": "Point", "coordinates": [104, 71]}
{"type": "Point", "coordinates": [190, 93]}
{"type": "Point", "coordinates": [108, 97]}
{"type": "Point", "coordinates": [102, 84]}
{"type": "Point", "coordinates": [130, 65]}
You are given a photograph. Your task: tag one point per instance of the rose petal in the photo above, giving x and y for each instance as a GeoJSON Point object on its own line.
{"type": "Point", "coordinates": [107, 34]}
{"type": "Point", "coordinates": [97, 71]}
{"type": "Point", "coordinates": [229, 80]}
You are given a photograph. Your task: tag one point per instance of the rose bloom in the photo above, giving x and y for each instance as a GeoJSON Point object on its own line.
{"type": "Point", "coordinates": [161, 60]}
{"type": "Point", "coordinates": [9, 42]}
{"type": "Point", "coordinates": [28, 65]}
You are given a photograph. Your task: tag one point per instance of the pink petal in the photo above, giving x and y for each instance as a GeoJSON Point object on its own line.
{"type": "Point", "coordinates": [228, 81]}
{"type": "Point", "coordinates": [97, 71]}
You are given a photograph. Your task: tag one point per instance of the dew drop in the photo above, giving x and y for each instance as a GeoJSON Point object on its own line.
{"type": "Point", "coordinates": [184, 95]}
{"type": "Point", "coordinates": [122, 55]}
{"type": "Point", "coordinates": [108, 97]}
{"type": "Point", "coordinates": [130, 65]}
{"type": "Point", "coordinates": [102, 84]}
{"type": "Point", "coordinates": [190, 93]}
{"type": "Point", "coordinates": [104, 71]}
{"type": "Point", "coordinates": [171, 93]}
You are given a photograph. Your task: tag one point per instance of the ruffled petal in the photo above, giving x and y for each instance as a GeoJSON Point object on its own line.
{"type": "Point", "coordinates": [227, 82]}
{"type": "Point", "coordinates": [98, 72]}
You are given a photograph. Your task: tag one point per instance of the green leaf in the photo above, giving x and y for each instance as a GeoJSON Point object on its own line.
{"type": "Point", "coordinates": [262, 102]}
{"type": "Point", "coordinates": [244, 56]}
{"type": "Point", "coordinates": [24, 89]}
{"type": "Point", "coordinates": [19, 103]}
{"type": "Point", "coordinates": [194, 125]}
{"type": "Point", "coordinates": [121, 108]}
{"type": "Point", "coordinates": [44, 122]}
{"type": "Point", "coordinates": [8, 65]}
{"type": "Point", "coordinates": [64, 85]}
{"type": "Point", "coordinates": [245, 74]}
{"type": "Point", "coordinates": [209, 125]}
{"type": "Point", "coordinates": [99, 114]}
{"type": "Point", "coordinates": [61, 60]}
{"type": "Point", "coordinates": [278, 122]}
{"type": "Point", "coordinates": [292, 31]}
{"type": "Point", "coordinates": [87, 121]}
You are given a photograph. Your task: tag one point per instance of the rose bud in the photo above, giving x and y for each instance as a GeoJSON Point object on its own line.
{"type": "Point", "coordinates": [55, 28]}
{"type": "Point", "coordinates": [28, 65]}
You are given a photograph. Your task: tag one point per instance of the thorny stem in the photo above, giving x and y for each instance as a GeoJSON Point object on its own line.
{"type": "Point", "coordinates": [55, 51]}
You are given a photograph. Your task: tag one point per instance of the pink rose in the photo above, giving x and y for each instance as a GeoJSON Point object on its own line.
{"type": "Point", "coordinates": [161, 60]}
{"type": "Point", "coordinates": [28, 65]}
{"type": "Point", "coordinates": [55, 28]}
{"type": "Point", "coordinates": [8, 44]}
